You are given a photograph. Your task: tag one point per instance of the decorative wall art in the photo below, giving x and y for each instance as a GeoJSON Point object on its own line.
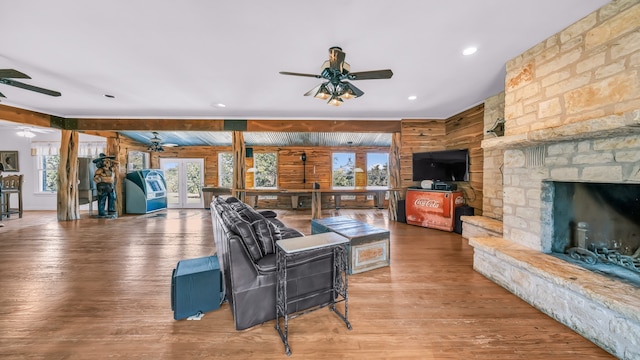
{"type": "Point", "coordinates": [9, 160]}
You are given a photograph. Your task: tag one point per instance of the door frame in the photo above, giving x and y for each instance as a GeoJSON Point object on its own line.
{"type": "Point", "coordinates": [182, 182]}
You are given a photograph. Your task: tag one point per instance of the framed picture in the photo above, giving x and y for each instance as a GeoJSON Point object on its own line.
{"type": "Point", "coordinates": [10, 161]}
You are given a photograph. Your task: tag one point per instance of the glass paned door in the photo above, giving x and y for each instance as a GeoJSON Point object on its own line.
{"type": "Point", "coordinates": [184, 179]}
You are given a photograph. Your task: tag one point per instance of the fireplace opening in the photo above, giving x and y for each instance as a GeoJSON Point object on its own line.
{"type": "Point", "coordinates": [597, 226]}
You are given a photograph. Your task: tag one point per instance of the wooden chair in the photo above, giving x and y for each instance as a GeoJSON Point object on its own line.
{"type": "Point", "coordinates": [11, 184]}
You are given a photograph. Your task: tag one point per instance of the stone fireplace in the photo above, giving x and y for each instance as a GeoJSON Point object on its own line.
{"type": "Point", "coordinates": [542, 179]}
{"type": "Point", "coordinates": [572, 123]}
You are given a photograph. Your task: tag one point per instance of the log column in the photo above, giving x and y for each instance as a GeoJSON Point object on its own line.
{"type": "Point", "coordinates": [394, 174]}
{"type": "Point", "coordinates": [67, 194]}
{"type": "Point", "coordinates": [239, 170]}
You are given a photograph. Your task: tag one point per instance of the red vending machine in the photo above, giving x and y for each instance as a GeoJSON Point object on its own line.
{"type": "Point", "coordinates": [433, 208]}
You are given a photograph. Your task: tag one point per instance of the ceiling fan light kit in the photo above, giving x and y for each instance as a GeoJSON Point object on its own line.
{"type": "Point", "coordinates": [155, 144]}
{"type": "Point", "coordinates": [335, 71]}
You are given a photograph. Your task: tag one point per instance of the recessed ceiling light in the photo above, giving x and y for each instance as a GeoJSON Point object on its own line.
{"type": "Point", "coordinates": [220, 105]}
{"type": "Point", "coordinates": [109, 96]}
{"type": "Point", "coordinates": [469, 51]}
{"type": "Point", "coordinates": [412, 97]}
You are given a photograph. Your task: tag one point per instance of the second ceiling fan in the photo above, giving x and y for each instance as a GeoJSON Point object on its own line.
{"type": "Point", "coordinates": [336, 71]}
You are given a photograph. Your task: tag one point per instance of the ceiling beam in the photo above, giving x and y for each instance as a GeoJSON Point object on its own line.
{"type": "Point", "coordinates": [120, 124]}
{"type": "Point", "coordinates": [150, 124]}
{"type": "Point", "coordinates": [360, 126]}
{"type": "Point", "coordinates": [24, 116]}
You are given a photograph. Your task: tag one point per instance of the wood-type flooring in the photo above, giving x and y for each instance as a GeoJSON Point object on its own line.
{"type": "Point", "coordinates": [100, 289]}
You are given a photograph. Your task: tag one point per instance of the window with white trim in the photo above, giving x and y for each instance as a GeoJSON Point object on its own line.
{"type": "Point", "coordinates": [266, 165]}
{"type": "Point", "coordinates": [343, 170]}
{"type": "Point", "coordinates": [47, 173]}
{"type": "Point", "coordinates": [225, 169]}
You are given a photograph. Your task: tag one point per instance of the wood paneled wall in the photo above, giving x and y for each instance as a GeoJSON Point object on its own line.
{"type": "Point", "coordinates": [465, 131]}
{"type": "Point", "coordinates": [461, 131]}
{"type": "Point", "coordinates": [290, 167]}
{"type": "Point", "coordinates": [419, 136]}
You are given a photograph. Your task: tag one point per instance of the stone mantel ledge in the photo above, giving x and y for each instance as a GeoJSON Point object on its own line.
{"type": "Point", "coordinates": [620, 297]}
{"type": "Point", "coordinates": [613, 125]}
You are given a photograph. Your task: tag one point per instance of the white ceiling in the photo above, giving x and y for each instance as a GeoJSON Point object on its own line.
{"type": "Point", "coordinates": [177, 59]}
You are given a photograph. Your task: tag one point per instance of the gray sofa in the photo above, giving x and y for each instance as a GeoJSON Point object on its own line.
{"type": "Point", "coordinates": [245, 245]}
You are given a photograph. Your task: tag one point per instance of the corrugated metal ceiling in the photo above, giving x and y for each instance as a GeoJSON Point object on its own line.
{"type": "Point", "coordinates": [223, 138]}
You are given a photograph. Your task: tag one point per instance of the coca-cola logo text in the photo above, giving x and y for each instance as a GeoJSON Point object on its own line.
{"type": "Point", "coordinates": [427, 203]}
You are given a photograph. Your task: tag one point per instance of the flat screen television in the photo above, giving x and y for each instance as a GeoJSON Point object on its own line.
{"type": "Point", "coordinates": [447, 165]}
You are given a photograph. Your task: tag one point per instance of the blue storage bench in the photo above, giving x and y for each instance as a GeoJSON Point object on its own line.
{"type": "Point", "coordinates": [196, 286]}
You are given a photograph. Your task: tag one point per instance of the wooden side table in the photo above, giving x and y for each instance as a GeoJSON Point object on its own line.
{"type": "Point", "coordinates": [285, 250]}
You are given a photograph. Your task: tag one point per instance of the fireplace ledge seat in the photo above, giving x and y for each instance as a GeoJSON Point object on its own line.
{"type": "Point", "coordinates": [604, 310]}
{"type": "Point", "coordinates": [480, 226]}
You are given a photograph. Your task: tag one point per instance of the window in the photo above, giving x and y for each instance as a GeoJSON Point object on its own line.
{"type": "Point", "coordinates": [47, 166]}
{"type": "Point", "coordinates": [266, 165]}
{"type": "Point", "coordinates": [377, 169]}
{"type": "Point", "coordinates": [137, 160]}
{"type": "Point", "coordinates": [225, 170]}
{"type": "Point", "coordinates": [343, 165]}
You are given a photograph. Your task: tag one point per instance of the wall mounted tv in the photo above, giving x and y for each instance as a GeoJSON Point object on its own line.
{"type": "Point", "coordinates": [447, 165]}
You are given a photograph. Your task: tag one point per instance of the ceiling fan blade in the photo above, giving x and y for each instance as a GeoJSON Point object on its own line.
{"type": "Point", "coordinates": [370, 75]}
{"type": "Point", "coordinates": [300, 74]}
{"type": "Point", "coordinates": [29, 87]}
{"type": "Point", "coordinates": [14, 74]}
{"type": "Point", "coordinates": [336, 58]}
{"type": "Point", "coordinates": [354, 91]}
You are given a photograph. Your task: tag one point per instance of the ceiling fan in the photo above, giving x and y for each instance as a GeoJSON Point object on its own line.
{"type": "Point", "coordinates": [7, 74]}
{"type": "Point", "coordinates": [336, 71]}
{"type": "Point", "coordinates": [156, 144]}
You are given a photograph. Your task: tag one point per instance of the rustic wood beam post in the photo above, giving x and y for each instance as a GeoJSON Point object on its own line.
{"type": "Point", "coordinates": [394, 174]}
{"type": "Point", "coordinates": [67, 194]}
{"type": "Point", "coordinates": [239, 171]}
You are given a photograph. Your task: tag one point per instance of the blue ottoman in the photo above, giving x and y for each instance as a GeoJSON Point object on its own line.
{"type": "Point", "coordinates": [196, 286]}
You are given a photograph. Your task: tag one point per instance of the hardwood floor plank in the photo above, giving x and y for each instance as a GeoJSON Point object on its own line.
{"type": "Point", "coordinates": [100, 288]}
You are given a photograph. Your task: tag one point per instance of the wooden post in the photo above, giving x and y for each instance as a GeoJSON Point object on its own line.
{"type": "Point", "coordinates": [239, 171]}
{"type": "Point", "coordinates": [394, 174]}
{"type": "Point", "coordinates": [67, 194]}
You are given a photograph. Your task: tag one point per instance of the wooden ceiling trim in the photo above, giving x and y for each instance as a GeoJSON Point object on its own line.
{"type": "Point", "coordinates": [371, 126]}
{"type": "Point", "coordinates": [151, 124]}
{"type": "Point", "coordinates": [22, 116]}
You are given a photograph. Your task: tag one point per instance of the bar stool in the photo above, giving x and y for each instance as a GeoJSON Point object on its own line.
{"type": "Point", "coordinates": [11, 184]}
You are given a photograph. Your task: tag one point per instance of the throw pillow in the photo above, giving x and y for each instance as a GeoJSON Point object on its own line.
{"type": "Point", "coordinates": [267, 235]}
{"type": "Point", "coordinates": [249, 214]}
{"type": "Point", "coordinates": [243, 228]}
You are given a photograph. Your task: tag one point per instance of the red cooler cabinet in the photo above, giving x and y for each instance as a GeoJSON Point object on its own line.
{"type": "Point", "coordinates": [433, 208]}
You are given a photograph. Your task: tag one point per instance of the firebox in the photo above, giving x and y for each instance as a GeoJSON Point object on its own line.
{"type": "Point", "coordinates": [598, 226]}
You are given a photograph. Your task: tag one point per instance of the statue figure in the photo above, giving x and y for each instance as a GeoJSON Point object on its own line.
{"type": "Point", "coordinates": [105, 178]}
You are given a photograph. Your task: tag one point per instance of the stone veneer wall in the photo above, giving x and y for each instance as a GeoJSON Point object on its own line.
{"type": "Point", "coordinates": [587, 71]}
{"type": "Point", "coordinates": [493, 161]}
